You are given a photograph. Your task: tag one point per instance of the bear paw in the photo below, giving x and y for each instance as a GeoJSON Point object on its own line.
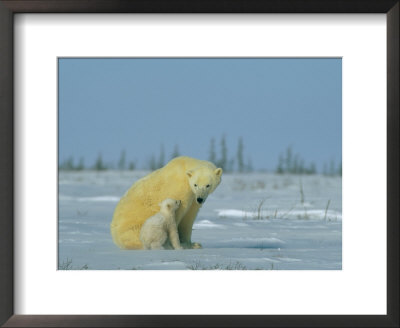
{"type": "Point", "coordinates": [191, 245]}
{"type": "Point", "coordinates": [196, 246]}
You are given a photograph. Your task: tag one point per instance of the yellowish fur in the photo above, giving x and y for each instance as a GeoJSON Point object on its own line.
{"type": "Point", "coordinates": [175, 180]}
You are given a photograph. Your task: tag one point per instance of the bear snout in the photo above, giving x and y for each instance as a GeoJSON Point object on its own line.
{"type": "Point", "coordinates": [200, 200]}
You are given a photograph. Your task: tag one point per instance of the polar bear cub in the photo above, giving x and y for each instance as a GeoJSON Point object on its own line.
{"type": "Point", "coordinates": [157, 228]}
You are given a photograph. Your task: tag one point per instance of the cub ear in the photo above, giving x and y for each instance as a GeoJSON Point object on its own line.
{"type": "Point", "coordinates": [218, 172]}
{"type": "Point", "coordinates": [189, 173]}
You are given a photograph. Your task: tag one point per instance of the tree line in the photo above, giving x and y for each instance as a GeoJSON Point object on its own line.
{"type": "Point", "coordinates": [291, 163]}
{"type": "Point", "coordinates": [235, 163]}
{"type": "Point", "coordinates": [288, 161]}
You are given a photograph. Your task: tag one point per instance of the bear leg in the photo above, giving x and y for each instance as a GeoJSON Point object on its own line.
{"type": "Point", "coordinates": [129, 239]}
{"type": "Point", "coordinates": [156, 245]}
{"type": "Point", "coordinates": [174, 237]}
{"type": "Point", "coordinates": [186, 225]}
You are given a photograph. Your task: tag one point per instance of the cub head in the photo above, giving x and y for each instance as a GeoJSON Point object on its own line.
{"type": "Point", "coordinates": [169, 205]}
{"type": "Point", "coordinates": [203, 181]}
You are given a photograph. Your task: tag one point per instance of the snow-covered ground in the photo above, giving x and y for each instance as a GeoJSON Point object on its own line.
{"type": "Point", "coordinates": [252, 221]}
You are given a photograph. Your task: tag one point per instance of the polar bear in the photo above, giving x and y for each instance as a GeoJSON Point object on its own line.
{"type": "Point", "coordinates": [156, 229]}
{"type": "Point", "coordinates": [187, 179]}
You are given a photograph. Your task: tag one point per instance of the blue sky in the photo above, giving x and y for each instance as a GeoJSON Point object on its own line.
{"type": "Point", "coordinates": [109, 105]}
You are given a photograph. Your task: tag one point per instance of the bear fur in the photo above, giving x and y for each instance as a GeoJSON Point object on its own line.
{"type": "Point", "coordinates": [188, 179]}
{"type": "Point", "coordinates": [156, 229]}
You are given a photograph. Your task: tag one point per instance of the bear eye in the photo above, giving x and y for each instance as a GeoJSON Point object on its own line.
{"type": "Point", "coordinates": [208, 186]}
{"type": "Point", "coordinates": [195, 185]}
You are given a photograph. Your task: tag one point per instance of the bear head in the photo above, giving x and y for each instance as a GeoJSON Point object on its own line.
{"type": "Point", "coordinates": [169, 205]}
{"type": "Point", "coordinates": [203, 181]}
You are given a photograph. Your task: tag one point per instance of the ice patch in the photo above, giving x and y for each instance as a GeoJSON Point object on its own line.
{"type": "Point", "coordinates": [293, 214]}
{"type": "Point", "coordinates": [288, 259]}
{"type": "Point", "coordinates": [261, 259]}
{"type": "Point", "coordinates": [315, 215]}
{"type": "Point", "coordinates": [206, 224]}
{"type": "Point", "coordinates": [269, 260]}
{"type": "Point", "coordinates": [231, 213]}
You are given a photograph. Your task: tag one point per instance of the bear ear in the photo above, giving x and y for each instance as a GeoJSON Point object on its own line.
{"type": "Point", "coordinates": [189, 173]}
{"type": "Point", "coordinates": [218, 172]}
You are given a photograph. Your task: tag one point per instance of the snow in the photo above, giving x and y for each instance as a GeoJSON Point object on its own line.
{"type": "Point", "coordinates": [252, 221]}
{"type": "Point", "coordinates": [112, 199]}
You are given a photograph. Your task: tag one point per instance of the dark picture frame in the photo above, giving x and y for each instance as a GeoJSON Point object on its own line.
{"type": "Point", "coordinates": [10, 7]}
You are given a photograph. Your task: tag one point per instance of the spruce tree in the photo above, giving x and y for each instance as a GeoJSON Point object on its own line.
{"type": "Point", "coordinates": [332, 168]}
{"type": "Point", "coordinates": [339, 171]}
{"type": "Point", "coordinates": [131, 166]}
{"type": "Point", "coordinates": [325, 169]}
{"type": "Point", "coordinates": [161, 159]}
{"type": "Point", "coordinates": [288, 160]}
{"type": "Point", "coordinates": [175, 152]}
{"type": "Point", "coordinates": [212, 155]}
{"type": "Point", "coordinates": [99, 165]}
{"type": "Point", "coordinates": [122, 161]}
{"type": "Point", "coordinates": [312, 169]}
{"type": "Point", "coordinates": [240, 160]}
{"type": "Point", "coordinates": [152, 163]}
{"type": "Point", "coordinates": [223, 162]}
{"type": "Point", "coordinates": [81, 165]}
{"type": "Point", "coordinates": [280, 169]}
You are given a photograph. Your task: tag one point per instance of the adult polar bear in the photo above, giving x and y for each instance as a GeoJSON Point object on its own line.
{"type": "Point", "coordinates": [187, 179]}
